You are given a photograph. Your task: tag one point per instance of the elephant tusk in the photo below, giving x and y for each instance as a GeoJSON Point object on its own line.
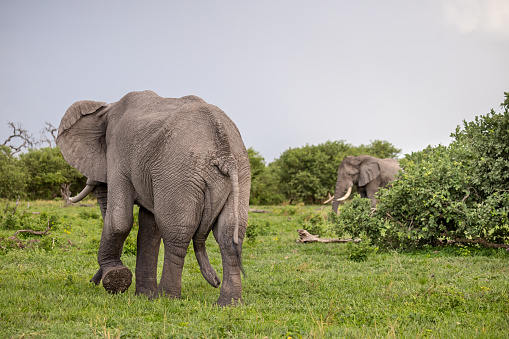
{"type": "Point", "coordinates": [328, 200]}
{"type": "Point", "coordinates": [346, 195]}
{"type": "Point", "coordinates": [82, 195]}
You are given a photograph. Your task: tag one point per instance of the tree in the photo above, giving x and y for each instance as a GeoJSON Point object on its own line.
{"type": "Point", "coordinates": [381, 149]}
{"type": "Point", "coordinates": [264, 182]}
{"type": "Point", "coordinates": [47, 171]}
{"type": "Point", "coordinates": [13, 177]}
{"type": "Point", "coordinates": [484, 143]}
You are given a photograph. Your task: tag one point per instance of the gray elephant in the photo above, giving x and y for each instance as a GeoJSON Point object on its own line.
{"type": "Point", "coordinates": [184, 163]}
{"type": "Point", "coordinates": [367, 173]}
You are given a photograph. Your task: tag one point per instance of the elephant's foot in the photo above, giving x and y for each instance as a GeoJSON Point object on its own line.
{"type": "Point", "coordinates": [117, 279]}
{"type": "Point", "coordinates": [169, 293]}
{"type": "Point", "coordinates": [225, 301]}
{"type": "Point", "coordinates": [147, 287]}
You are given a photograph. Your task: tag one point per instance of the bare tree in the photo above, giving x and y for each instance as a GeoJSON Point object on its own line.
{"type": "Point", "coordinates": [49, 128]}
{"type": "Point", "coordinates": [66, 193]}
{"type": "Point", "coordinates": [27, 140]}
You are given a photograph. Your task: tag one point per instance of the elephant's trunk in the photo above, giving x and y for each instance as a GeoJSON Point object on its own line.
{"type": "Point", "coordinates": [86, 191]}
{"type": "Point", "coordinates": [337, 201]}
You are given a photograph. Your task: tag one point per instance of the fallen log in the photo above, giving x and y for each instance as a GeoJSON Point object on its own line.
{"type": "Point", "coordinates": [258, 211]}
{"type": "Point", "coordinates": [305, 236]}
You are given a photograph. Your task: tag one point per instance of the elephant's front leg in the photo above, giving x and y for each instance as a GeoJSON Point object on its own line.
{"type": "Point", "coordinates": [116, 276]}
{"type": "Point", "coordinates": [149, 241]}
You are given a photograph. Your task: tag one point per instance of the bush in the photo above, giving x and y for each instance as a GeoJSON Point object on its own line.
{"type": "Point", "coordinates": [360, 251]}
{"type": "Point", "coordinates": [458, 192]}
{"type": "Point", "coordinates": [255, 229]}
{"type": "Point", "coordinates": [13, 176]}
{"type": "Point", "coordinates": [47, 171]}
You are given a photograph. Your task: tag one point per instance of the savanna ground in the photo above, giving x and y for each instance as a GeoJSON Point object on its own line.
{"type": "Point", "coordinates": [291, 289]}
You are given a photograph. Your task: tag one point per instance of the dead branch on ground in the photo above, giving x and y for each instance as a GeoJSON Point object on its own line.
{"type": "Point", "coordinates": [258, 211]}
{"type": "Point", "coordinates": [305, 237]}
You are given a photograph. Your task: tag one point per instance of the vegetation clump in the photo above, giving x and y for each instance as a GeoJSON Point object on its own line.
{"type": "Point", "coordinates": [456, 193]}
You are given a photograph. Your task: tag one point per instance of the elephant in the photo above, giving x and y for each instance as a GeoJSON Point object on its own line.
{"type": "Point", "coordinates": [367, 173]}
{"type": "Point", "coordinates": [184, 163]}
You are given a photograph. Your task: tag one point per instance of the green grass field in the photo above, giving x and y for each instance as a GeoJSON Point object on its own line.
{"type": "Point", "coordinates": [291, 289]}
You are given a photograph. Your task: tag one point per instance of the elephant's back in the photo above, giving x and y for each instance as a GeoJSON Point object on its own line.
{"type": "Point", "coordinates": [177, 126]}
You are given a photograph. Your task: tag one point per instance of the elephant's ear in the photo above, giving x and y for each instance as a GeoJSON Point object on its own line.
{"type": "Point", "coordinates": [81, 137]}
{"type": "Point", "coordinates": [369, 171]}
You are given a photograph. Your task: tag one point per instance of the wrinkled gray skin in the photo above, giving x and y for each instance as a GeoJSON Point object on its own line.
{"type": "Point", "coordinates": [184, 163]}
{"type": "Point", "coordinates": [367, 173]}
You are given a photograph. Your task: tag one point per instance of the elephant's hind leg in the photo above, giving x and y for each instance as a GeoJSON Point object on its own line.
{"type": "Point", "coordinates": [149, 241]}
{"type": "Point", "coordinates": [231, 289]}
{"type": "Point", "coordinates": [177, 224]}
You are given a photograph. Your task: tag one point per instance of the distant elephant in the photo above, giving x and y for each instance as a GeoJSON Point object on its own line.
{"type": "Point", "coordinates": [367, 173]}
{"type": "Point", "coordinates": [184, 163]}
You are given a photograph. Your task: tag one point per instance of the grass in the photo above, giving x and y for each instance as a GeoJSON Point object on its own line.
{"type": "Point", "coordinates": [291, 289]}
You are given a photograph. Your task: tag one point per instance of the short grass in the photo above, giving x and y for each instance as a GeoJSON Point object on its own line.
{"type": "Point", "coordinates": [291, 289]}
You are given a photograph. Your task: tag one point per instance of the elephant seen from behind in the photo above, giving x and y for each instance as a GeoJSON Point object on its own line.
{"type": "Point", "coordinates": [367, 173]}
{"type": "Point", "coordinates": [184, 163]}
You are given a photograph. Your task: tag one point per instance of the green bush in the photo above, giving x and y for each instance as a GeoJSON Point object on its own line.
{"type": "Point", "coordinates": [360, 251]}
{"type": "Point", "coordinates": [319, 223]}
{"type": "Point", "coordinates": [13, 176]}
{"type": "Point", "coordinates": [444, 193]}
{"type": "Point", "coordinates": [255, 229]}
{"type": "Point", "coordinates": [47, 171]}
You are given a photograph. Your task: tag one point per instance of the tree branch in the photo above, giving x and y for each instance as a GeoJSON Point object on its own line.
{"type": "Point", "coordinates": [305, 236]}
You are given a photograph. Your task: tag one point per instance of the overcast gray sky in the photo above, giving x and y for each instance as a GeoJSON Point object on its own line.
{"type": "Point", "coordinates": [287, 72]}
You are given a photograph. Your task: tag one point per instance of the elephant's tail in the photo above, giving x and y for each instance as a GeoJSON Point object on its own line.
{"type": "Point", "coordinates": [227, 164]}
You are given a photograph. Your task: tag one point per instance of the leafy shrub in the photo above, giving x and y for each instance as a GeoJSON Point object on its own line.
{"type": "Point", "coordinates": [47, 171]}
{"type": "Point", "coordinates": [13, 176]}
{"type": "Point", "coordinates": [10, 222]}
{"type": "Point", "coordinates": [318, 223]}
{"type": "Point", "coordinates": [360, 251]}
{"type": "Point", "coordinates": [256, 228]}
{"type": "Point", "coordinates": [7, 245]}
{"type": "Point", "coordinates": [444, 193]}
{"type": "Point", "coordinates": [48, 243]}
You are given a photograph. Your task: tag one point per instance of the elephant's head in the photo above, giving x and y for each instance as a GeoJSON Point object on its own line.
{"type": "Point", "coordinates": [82, 141]}
{"type": "Point", "coordinates": [358, 171]}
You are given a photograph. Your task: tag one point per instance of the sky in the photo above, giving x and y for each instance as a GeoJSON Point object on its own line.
{"type": "Point", "coordinates": [287, 72]}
